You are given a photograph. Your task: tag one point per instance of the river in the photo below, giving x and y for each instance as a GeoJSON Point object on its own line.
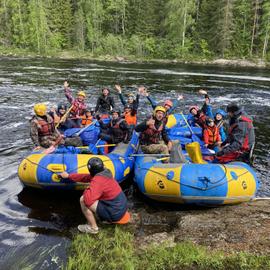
{"type": "Point", "coordinates": [36, 227]}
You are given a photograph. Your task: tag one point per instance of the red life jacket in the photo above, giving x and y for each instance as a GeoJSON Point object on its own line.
{"type": "Point", "coordinates": [211, 133]}
{"type": "Point", "coordinates": [200, 119]}
{"type": "Point", "coordinates": [77, 108]}
{"type": "Point", "coordinates": [151, 135]}
{"type": "Point", "coordinates": [130, 119]}
{"type": "Point", "coordinates": [245, 146]}
{"type": "Point", "coordinates": [45, 128]}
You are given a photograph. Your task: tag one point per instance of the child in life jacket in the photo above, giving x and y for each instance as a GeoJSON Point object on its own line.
{"type": "Point", "coordinates": [87, 118]}
{"type": "Point", "coordinates": [211, 135]}
{"type": "Point", "coordinates": [130, 115]}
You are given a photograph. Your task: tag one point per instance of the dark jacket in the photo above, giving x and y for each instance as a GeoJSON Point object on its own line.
{"type": "Point", "coordinates": [104, 104]}
{"type": "Point", "coordinates": [118, 129]}
{"type": "Point", "coordinates": [134, 105]}
{"type": "Point", "coordinates": [241, 135]}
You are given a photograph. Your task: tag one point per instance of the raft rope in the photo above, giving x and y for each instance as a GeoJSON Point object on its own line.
{"type": "Point", "coordinates": [73, 169]}
{"type": "Point", "coordinates": [194, 187]}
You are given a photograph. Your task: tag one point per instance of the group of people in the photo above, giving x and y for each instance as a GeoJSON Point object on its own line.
{"type": "Point", "coordinates": [232, 140]}
{"type": "Point", "coordinates": [104, 197]}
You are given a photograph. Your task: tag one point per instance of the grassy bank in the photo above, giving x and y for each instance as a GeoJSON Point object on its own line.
{"type": "Point", "coordinates": [117, 248]}
{"type": "Point", "coordinates": [194, 59]}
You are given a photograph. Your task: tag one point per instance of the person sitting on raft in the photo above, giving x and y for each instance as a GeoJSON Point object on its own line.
{"type": "Point", "coordinates": [87, 117]}
{"type": "Point", "coordinates": [131, 100]}
{"type": "Point", "coordinates": [211, 135]}
{"type": "Point", "coordinates": [116, 131]}
{"type": "Point", "coordinates": [241, 137]}
{"type": "Point", "coordinates": [103, 198]}
{"type": "Point", "coordinates": [220, 123]}
{"type": "Point", "coordinates": [206, 108]}
{"type": "Point", "coordinates": [169, 105]}
{"type": "Point", "coordinates": [60, 117]}
{"type": "Point", "coordinates": [105, 103]}
{"type": "Point", "coordinates": [130, 116]}
{"type": "Point", "coordinates": [78, 104]}
{"type": "Point", "coordinates": [154, 138]}
{"type": "Point", "coordinates": [196, 117]}
{"type": "Point", "coordinates": [43, 132]}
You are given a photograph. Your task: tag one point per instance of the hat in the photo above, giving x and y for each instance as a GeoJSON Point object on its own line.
{"type": "Point", "coordinates": [233, 107]}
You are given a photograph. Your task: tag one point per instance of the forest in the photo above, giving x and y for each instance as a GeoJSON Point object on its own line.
{"type": "Point", "coordinates": [150, 29]}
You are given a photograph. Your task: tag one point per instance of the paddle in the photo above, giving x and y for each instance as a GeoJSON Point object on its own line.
{"type": "Point", "coordinates": [77, 133]}
{"type": "Point", "coordinates": [194, 137]}
{"type": "Point", "coordinates": [63, 119]}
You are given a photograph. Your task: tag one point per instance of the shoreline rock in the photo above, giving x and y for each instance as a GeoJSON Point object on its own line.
{"type": "Point", "coordinates": [244, 227]}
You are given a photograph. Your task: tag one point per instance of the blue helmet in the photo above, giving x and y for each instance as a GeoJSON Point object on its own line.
{"type": "Point", "coordinates": [221, 112]}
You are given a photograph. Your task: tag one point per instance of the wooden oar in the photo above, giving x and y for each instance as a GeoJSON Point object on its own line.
{"type": "Point", "coordinates": [63, 119]}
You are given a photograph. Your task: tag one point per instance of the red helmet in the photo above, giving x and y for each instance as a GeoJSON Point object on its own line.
{"type": "Point", "coordinates": [168, 103]}
{"type": "Point", "coordinates": [193, 107]}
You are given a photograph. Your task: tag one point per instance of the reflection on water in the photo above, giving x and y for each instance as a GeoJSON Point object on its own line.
{"type": "Point", "coordinates": [35, 226]}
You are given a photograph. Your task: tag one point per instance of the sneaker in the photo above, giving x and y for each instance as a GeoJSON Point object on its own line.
{"type": "Point", "coordinates": [85, 228]}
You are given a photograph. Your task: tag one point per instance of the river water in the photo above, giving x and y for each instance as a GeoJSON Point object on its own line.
{"type": "Point", "coordinates": [36, 227]}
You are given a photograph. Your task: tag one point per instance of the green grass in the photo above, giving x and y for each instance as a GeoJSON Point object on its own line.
{"type": "Point", "coordinates": [116, 248]}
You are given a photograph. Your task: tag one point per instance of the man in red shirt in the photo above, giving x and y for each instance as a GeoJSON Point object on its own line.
{"type": "Point", "coordinates": [104, 197]}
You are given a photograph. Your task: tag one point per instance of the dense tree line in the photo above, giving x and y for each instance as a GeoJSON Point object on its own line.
{"type": "Point", "coordinates": [143, 28]}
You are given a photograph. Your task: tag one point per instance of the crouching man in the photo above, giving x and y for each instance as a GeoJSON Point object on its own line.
{"type": "Point", "coordinates": [103, 198]}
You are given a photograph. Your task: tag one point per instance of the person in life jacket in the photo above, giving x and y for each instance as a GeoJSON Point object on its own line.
{"type": "Point", "coordinates": [78, 104]}
{"type": "Point", "coordinates": [105, 102]}
{"type": "Point", "coordinates": [61, 118]}
{"type": "Point", "coordinates": [87, 118]}
{"type": "Point", "coordinates": [103, 198]}
{"type": "Point", "coordinates": [221, 124]}
{"type": "Point", "coordinates": [42, 128]}
{"type": "Point", "coordinates": [132, 101]}
{"type": "Point", "coordinates": [241, 137]}
{"type": "Point", "coordinates": [130, 116]}
{"type": "Point", "coordinates": [211, 135]}
{"type": "Point", "coordinates": [116, 131]}
{"type": "Point", "coordinates": [43, 132]}
{"type": "Point", "coordinates": [169, 105]}
{"type": "Point", "coordinates": [197, 117]}
{"type": "Point", "coordinates": [154, 138]}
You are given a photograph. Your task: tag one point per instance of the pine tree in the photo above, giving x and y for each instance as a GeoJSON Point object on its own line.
{"type": "Point", "coordinates": [242, 18]}
{"type": "Point", "coordinates": [39, 33]}
{"type": "Point", "coordinates": [265, 30]}
{"type": "Point", "coordinates": [179, 19]}
{"type": "Point", "coordinates": [19, 23]}
{"type": "Point", "coordinates": [255, 27]}
{"type": "Point", "coordinates": [59, 17]}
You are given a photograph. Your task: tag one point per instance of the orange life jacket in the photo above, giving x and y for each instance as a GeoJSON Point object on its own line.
{"type": "Point", "coordinates": [211, 134]}
{"type": "Point", "coordinates": [86, 120]}
{"type": "Point", "coordinates": [130, 119]}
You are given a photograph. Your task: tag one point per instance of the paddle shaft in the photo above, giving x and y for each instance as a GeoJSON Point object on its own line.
{"type": "Point", "coordinates": [63, 119]}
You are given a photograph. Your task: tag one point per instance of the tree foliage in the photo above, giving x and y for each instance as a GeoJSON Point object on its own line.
{"type": "Point", "coordinates": [139, 28]}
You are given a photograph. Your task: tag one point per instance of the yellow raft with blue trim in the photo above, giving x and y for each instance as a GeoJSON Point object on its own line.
{"type": "Point", "coordinates": [196, 182]}
{"type": "Point", "coordinates": [41, 171]}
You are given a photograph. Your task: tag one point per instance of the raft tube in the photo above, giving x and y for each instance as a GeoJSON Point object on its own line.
{"type": "Point", "coordinates": [201, 184]}
{"type": "Point", "coordinates": [41, 171]}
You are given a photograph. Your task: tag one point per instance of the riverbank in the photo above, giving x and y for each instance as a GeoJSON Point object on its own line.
{"type": "Point", "coordinates": [194, 59]}
{"type": "Point", "coordinates": [229, 237]}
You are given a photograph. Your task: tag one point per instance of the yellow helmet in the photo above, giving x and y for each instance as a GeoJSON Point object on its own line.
{"type": "Point", "coordinates": [40, 109]}
{"type": "Point", "coordinates": [81, 93]}
{"type": "Point", "coordinates": [159, 108]}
